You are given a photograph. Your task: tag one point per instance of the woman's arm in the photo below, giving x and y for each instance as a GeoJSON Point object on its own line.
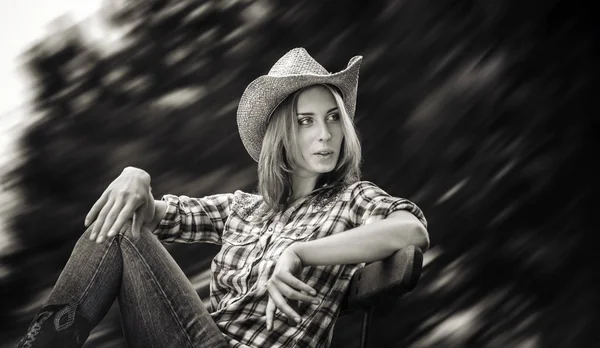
{"type": "Point", "coordinates": [183, 219]}
{"type": "Point", "coordinates": [366, 243]}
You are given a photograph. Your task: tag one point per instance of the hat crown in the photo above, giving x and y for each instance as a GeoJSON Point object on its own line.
{"type": "Point", "coordinates": [297, 62]}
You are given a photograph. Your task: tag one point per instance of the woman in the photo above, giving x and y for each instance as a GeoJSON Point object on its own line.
{"type": "Point", "coordinates": [288, 253]}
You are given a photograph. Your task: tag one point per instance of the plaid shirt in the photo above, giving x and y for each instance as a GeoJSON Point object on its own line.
{"type": "Point", "coordinates": [251, 247]}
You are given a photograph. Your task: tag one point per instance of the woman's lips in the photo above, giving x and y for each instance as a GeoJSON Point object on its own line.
{"type": "Point", "coordinates": [324, 154]}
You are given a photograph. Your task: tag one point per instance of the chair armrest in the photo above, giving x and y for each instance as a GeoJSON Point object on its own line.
{"type": "Point", "coordinates": [391, 277]}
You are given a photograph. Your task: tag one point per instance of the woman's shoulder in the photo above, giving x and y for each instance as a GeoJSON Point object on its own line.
{"type": "Point", "coordinates": [361, 185]}
{"type": "Point", "coordinates": [244, 202]}
{"type": "Point", "coordinates": [243, 195]}
{"type": "Point", "coordinates": [364, 189]}
{"type": "Point", "coordinates": [342, 191]}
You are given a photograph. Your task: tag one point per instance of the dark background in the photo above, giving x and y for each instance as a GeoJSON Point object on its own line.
{"type": "Point", "coordinates": [482, 112]}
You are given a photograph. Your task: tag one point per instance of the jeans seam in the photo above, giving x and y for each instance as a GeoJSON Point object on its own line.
{"type": "Point", "coordinates": [162, 292]}
{"type": "Point", "coordinates": [95, 273]}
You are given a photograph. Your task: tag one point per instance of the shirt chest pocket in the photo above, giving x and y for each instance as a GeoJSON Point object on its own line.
{"type": "Point", "coordinates": [289, 236]}
{"type": "Point", "coordinates": [237, 250]}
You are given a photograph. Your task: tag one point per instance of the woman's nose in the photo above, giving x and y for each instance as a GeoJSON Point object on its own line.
{"type": "Point", "coordinates": [324, 133]}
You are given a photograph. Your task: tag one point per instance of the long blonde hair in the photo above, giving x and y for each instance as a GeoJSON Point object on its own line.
{"type": "Point", "coordinates": [280, 150]}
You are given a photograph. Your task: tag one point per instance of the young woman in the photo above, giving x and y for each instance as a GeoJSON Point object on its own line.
{"type": "Point", "coordinates": [288, 252]}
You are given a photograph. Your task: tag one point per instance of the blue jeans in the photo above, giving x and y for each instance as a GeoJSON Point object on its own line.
{"type": "Point", "coordinates": [159, 307]}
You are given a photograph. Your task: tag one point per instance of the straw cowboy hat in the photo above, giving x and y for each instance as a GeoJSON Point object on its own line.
{"type": "Point", "coordinates": [294, 71]}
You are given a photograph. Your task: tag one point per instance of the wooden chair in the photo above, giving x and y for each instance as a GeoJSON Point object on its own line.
{"type": "Point", "coordinates": [376, 284]}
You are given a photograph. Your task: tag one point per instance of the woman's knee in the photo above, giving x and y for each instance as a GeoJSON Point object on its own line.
{"type": "Point", "coordinates": [127, 232]}
{"type": "Point", "coordinates": [85, 241]}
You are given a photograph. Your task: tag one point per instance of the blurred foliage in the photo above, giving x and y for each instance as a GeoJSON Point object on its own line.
{"type": "Point", "coordinates": [482, 112]}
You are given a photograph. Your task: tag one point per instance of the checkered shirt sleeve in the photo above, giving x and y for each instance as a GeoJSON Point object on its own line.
{"type": "Point", "coordinates": [194, 220]}
{"type": "Point", "coordinates": [369, 203]}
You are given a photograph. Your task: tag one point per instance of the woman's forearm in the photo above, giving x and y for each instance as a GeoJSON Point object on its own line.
{"type": "Point", "coordinates": [367, 243]}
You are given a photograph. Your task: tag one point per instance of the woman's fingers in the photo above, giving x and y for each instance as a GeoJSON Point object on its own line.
{"type": "Point", "coordinates": [91, 215]}
{"type": "Point", "coordinates": [296, 283]}
{"type": "Point", "coordinates": [270, 313]}
{"type": "Point", "coordinates": [138, 221]}
{"type": "Point", "coordinates": [293, 294]}
{"type": "Point", "coordinates": [101, 217]}
{"type": "Point", "coordinates": [282, 304]}
{"type": "Point", "coordinates": [124, 215]}
{"type": "Point", "coordinates": [110, 218]}
{"type": "Point", "coordinates": [283, 287]}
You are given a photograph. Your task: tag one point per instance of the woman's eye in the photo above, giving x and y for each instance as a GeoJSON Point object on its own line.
{"type": "Point", "coordinates": [305, 121]}
{"type": "Point", "coordinates": [334, 117]}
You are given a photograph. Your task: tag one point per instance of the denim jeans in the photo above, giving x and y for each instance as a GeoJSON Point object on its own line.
{"type": "Point", "coordinates": [159, 306]}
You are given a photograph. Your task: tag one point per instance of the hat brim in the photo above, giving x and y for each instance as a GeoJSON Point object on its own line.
{"type": "Point", "coordinates": [263, 95]}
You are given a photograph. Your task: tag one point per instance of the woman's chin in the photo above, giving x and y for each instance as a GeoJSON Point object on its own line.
{"type": "Point", "coordinates": [323, 168]}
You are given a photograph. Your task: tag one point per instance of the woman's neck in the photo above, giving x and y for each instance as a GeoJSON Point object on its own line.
{"type": "Point", "coordinates": [302, 187]}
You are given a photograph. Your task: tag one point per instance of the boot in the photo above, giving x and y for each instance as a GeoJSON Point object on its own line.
{"type": "Point", "coordinates": [56, 326]}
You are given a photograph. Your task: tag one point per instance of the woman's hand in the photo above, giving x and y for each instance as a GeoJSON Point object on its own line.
{"type": "Point", "coordinates": [284, 286]}
{"type": "Point", "coordinates": [127, 197]}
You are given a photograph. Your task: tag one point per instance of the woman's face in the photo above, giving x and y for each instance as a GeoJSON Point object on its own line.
{"type": "Point", "coordinates": [319, 132]}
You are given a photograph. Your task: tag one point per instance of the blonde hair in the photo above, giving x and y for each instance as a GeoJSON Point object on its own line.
{"type": "Point", "coordinates": [280, 150]}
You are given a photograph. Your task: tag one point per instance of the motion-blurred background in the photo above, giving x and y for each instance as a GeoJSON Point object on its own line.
{"type": "Point", "coordinates": [483, 112]}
